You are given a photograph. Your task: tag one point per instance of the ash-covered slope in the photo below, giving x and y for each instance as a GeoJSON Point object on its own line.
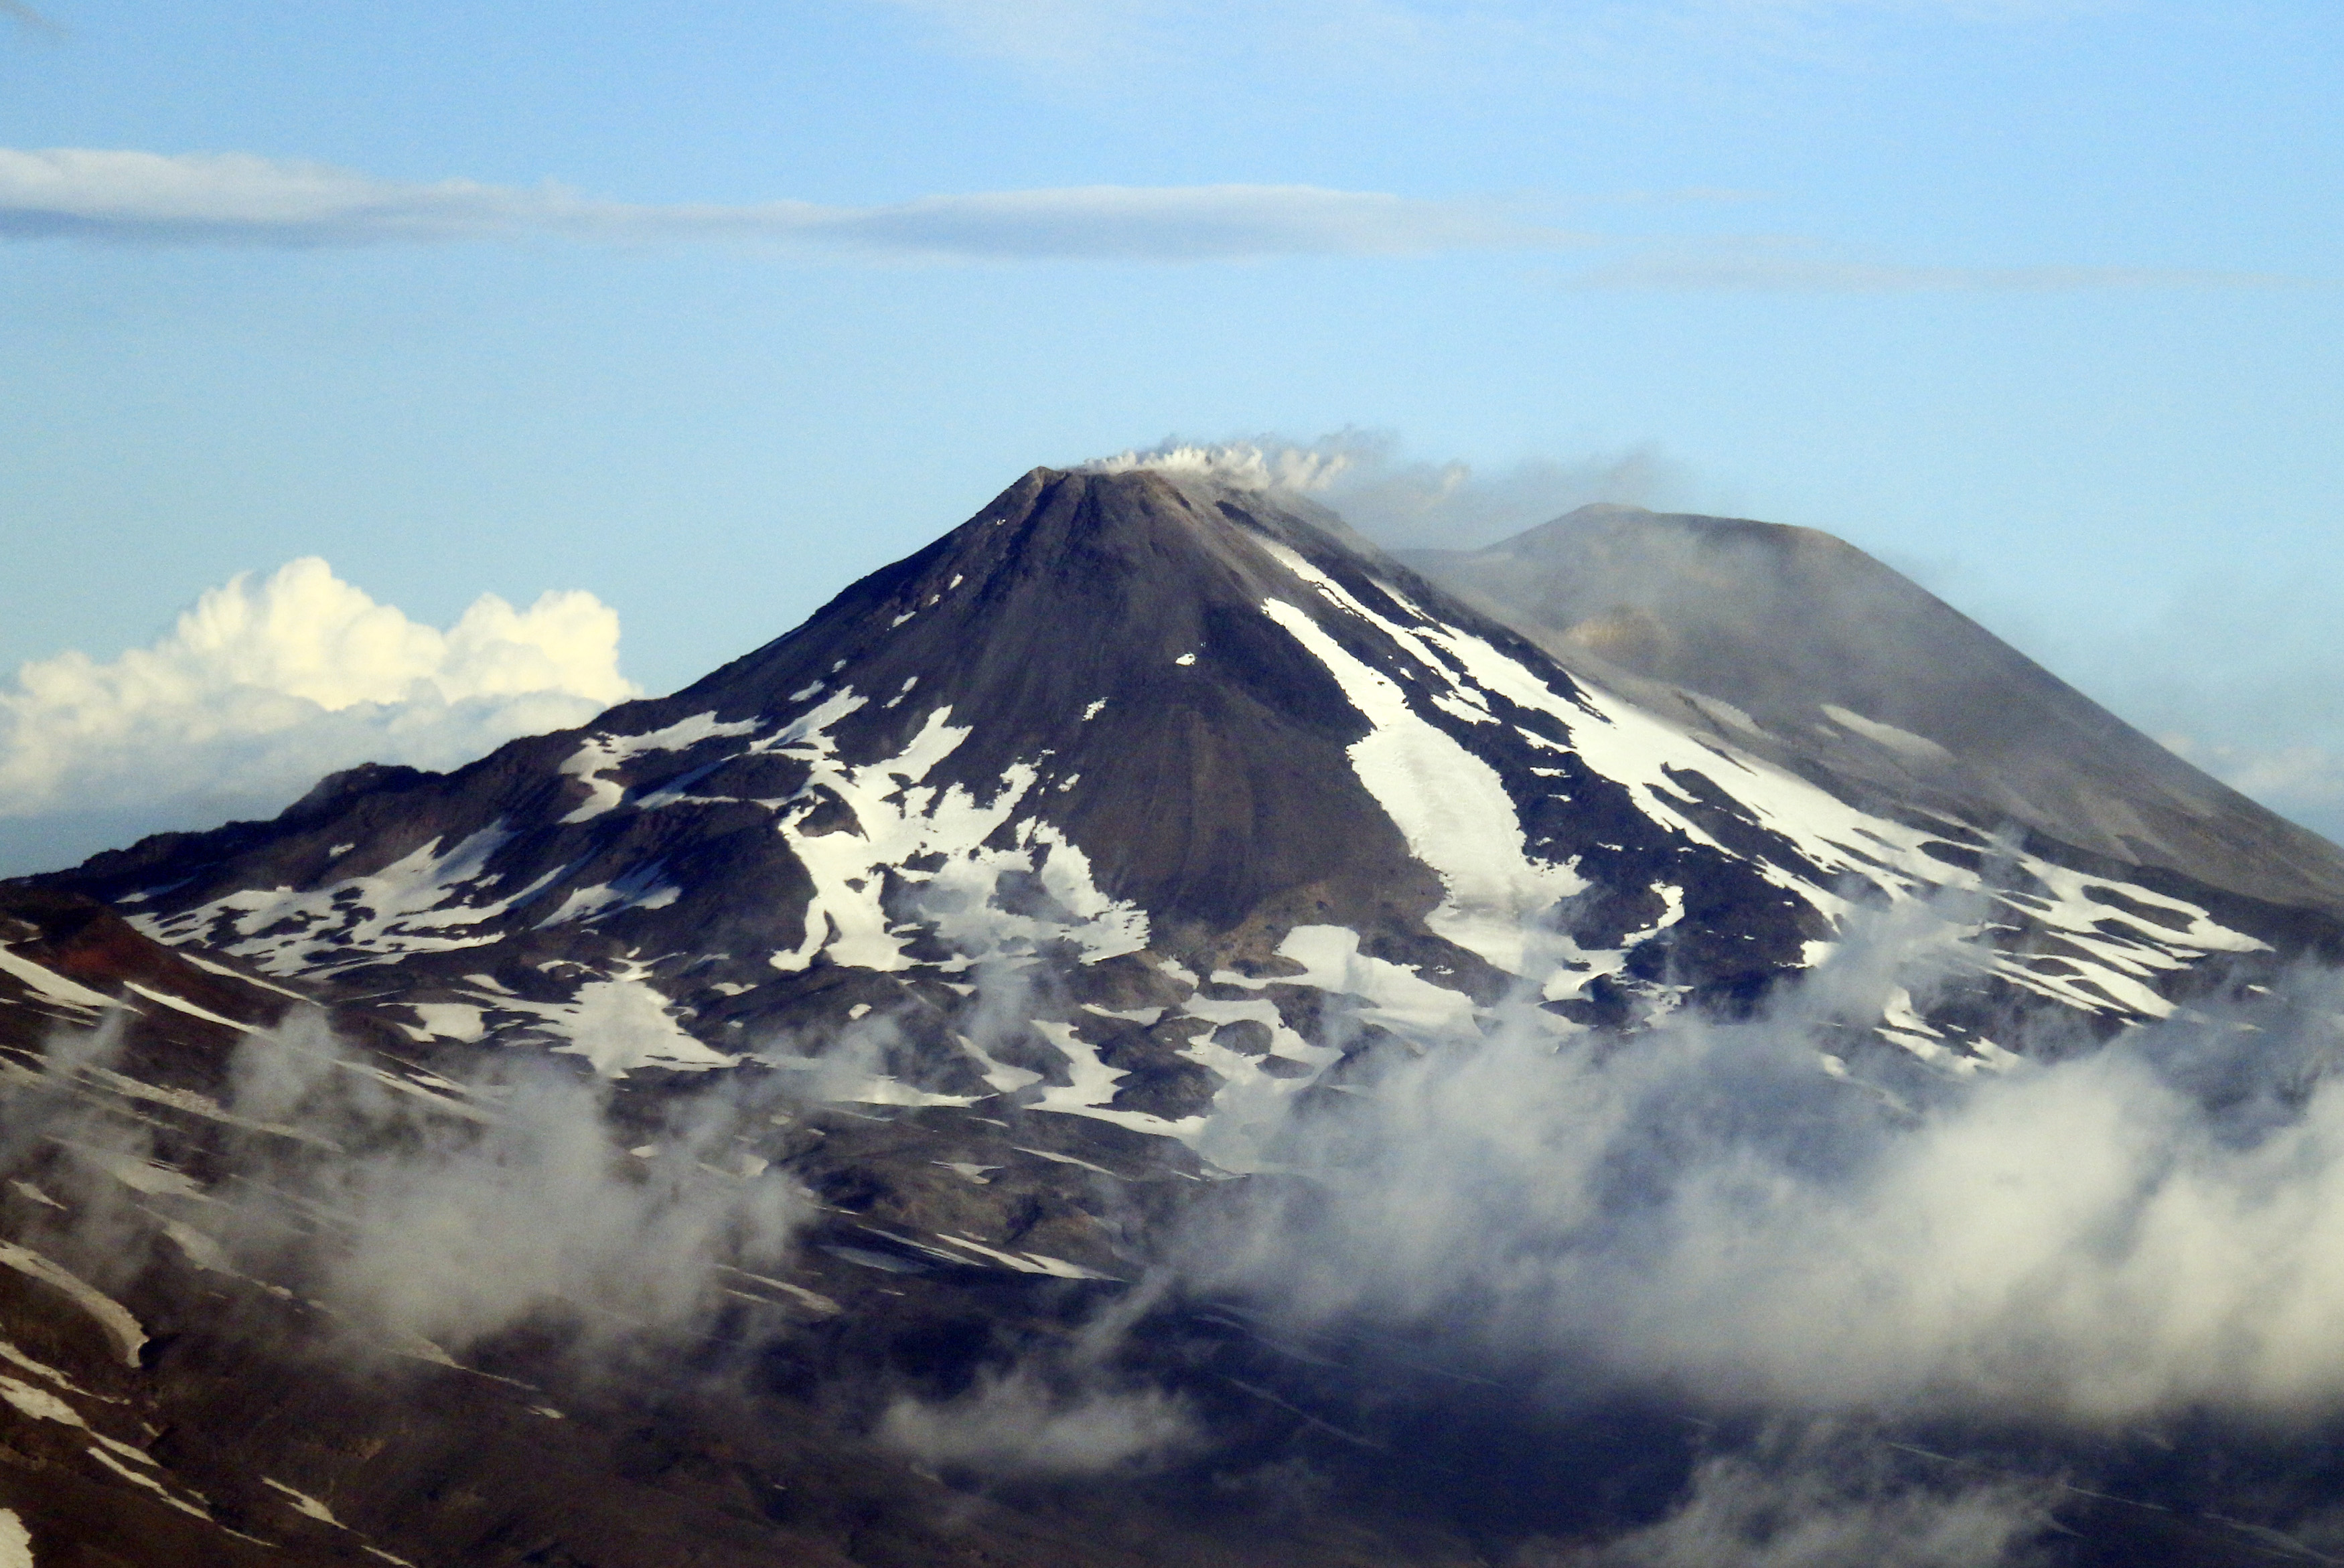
{"type": "Point", "coordinates": [1853, 667]}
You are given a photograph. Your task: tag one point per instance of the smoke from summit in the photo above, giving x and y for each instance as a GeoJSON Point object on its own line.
{"type": "Point", "coordinates": [1400, 501]}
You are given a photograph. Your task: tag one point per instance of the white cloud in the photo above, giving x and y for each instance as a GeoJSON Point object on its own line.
{"type": "Point", "coordinates": [2092, 1236]}
{"type": "Point", "coordinates": [265, 686]}
{"type": "Point", "coordinates": [1816, 1497]}
{"type": "Point", "coordinates": [1267, 464]}
{"type": "Point", "coordinates": [236, 198]}
{"type": "Point", "coordinates": [1016, 1425]}
{"type": "Point", "coordinates": [450, 1225]}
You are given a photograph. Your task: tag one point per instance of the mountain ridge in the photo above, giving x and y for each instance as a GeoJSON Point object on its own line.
{"type": "Point", "coordinates": [1149, 717]}
{"type": "Point", "coordinates": [1816, 640]}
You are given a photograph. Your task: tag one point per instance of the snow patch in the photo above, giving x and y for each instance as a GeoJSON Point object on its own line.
{"type": "Point", "coordinates": [39, 1403]}
{"type": "Point", "coordinates": [305, 1505]}
{"type": "Point", "coordinates": [621, 1024]}
{"type": "Point", "coordinates": [1826, 841]}
{"type": "Point", "coordinates": [1090, 1089]}
{"type": "Point", "coordinates": [999, 1076]}
{"type": "Point", "coordinates": [1449, 804]}
{"type": "Point", "coordinates": [109, 1314]}
{"type": "Point", "coordinates": [591, 764]}
{"type": "Point", "coordinates": [16, 1540]}
{"type": "Point", "coordinates": [180, 1004]}
{"type": "Point", "coordinates": [1399, 999]}
{"type": "Point", "coordinates": [1903, 742]}
{"type": "Point", "coordinates": [452, 1020]}
{"type": "Point", "coordinates": [51, 986]}
{"type": "Point", "coordinates": [645, 886]}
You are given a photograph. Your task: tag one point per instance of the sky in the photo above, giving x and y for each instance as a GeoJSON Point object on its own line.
{"type": "Point", "coordinates": [334, 339]}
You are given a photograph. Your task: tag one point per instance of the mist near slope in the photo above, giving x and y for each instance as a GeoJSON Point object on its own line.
{"type": "Point", "coordinates": [1785, 1214]}
{"type": "Point", "coordinates": [265, 685]}
{"type": "Point", "coordinates": [1786, 1211]}
{"type": "Point", "coordinates": [1780, 1213]}
{"type": "Point", "coordinates": [1024, 1424]}
{"type": "Point", "coordinates": [420, 1218]}
{"type": "Point", "coordinates": [1818, 1494]}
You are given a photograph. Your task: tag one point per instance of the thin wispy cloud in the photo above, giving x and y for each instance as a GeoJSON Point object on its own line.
{"type": "Point", "coordinates": [1589, 40]}
{"type": "Point", "coordinates": [142, 199]}
{"type": "Point", "coordinates": [235, 198]}
{"type": "Point", "coordinates": [1762, 273]}
{"type": "Point", "coordinates": [1048, 31]}
{"type": "Point", "coordinates": [25, 17]}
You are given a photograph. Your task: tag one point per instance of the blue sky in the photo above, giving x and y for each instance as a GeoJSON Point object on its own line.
{"type": "Point", "coordinates": [705, 309]}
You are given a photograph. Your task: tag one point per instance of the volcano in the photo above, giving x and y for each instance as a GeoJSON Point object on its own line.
{"type": "Point", "coordinates": [1031, 885]}
{"type": "Point", "coordinates": [1143, 729]}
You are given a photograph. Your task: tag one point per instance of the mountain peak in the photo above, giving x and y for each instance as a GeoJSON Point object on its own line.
{"type": "Point", "coordinates": [1617, 529]}
{"type": "Point", "coordinates": [1835, 654]}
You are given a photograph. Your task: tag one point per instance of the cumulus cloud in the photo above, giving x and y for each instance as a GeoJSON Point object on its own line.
{"type": "Point", "coordinates": [236, 198]}
{"type": "Point", "coordinates": [1064, 1412]}
{"type": "Point", "coordinates": [452, 1228]}
{"type": "Point", "coordinates": [266, 685]}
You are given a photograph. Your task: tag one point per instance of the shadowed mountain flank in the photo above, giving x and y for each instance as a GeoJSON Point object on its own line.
{"type": "Point", "coordinates": [1071, 615]}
